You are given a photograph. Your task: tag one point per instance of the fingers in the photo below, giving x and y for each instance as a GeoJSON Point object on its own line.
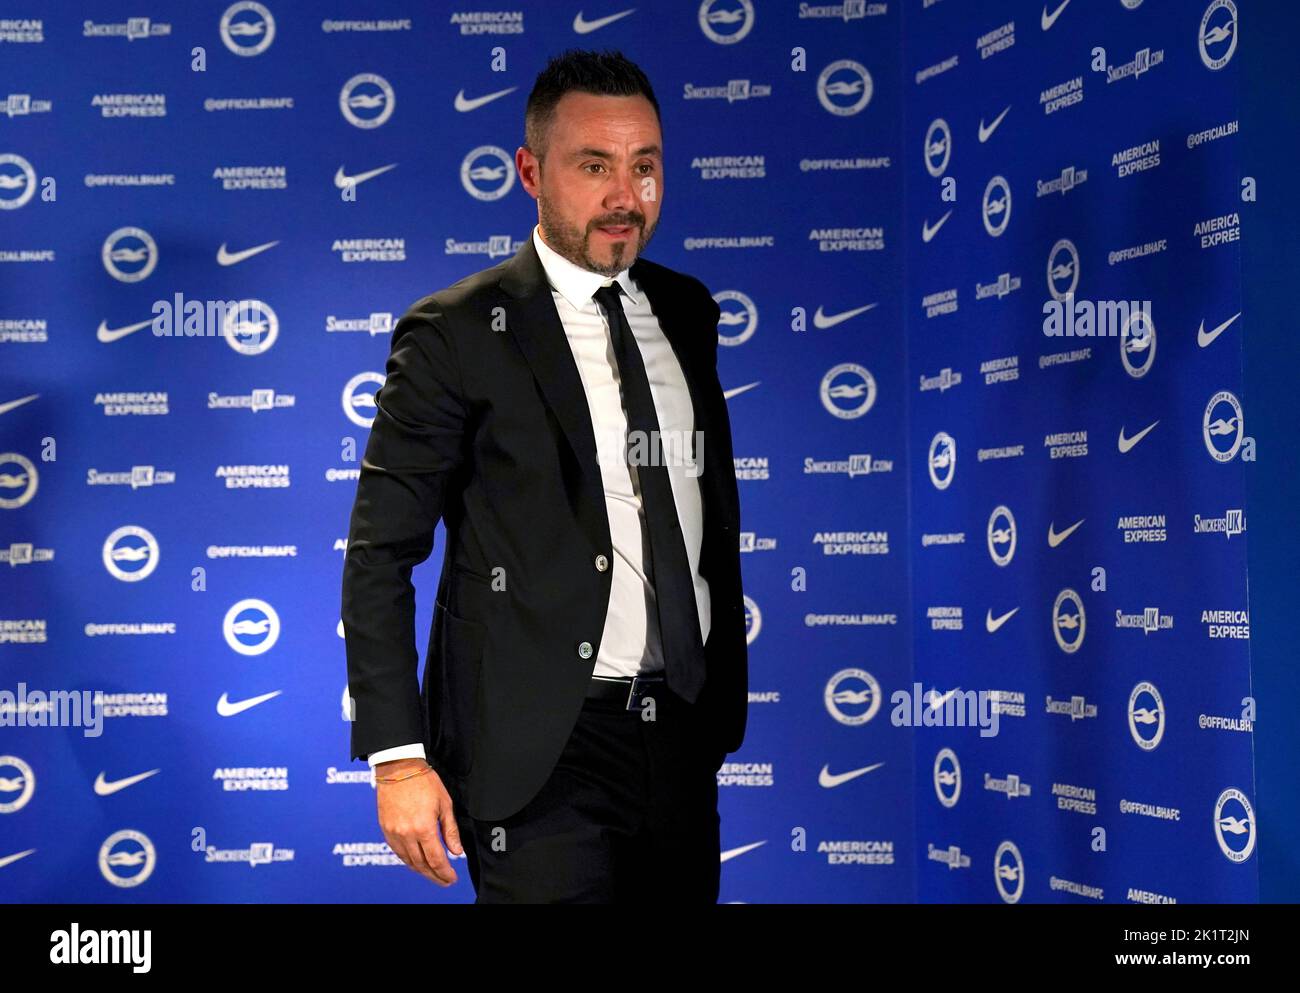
{"type": "Point", "coordinates": [422, 853]}
{"type": "Point", "coordinates": [450, 830]}
{"type": "Point", "coordinates": [434, 858]}
{"type": "Point", "coordinates": [399, 847]}
{"type": "Point", "coordinates": [421, 850]}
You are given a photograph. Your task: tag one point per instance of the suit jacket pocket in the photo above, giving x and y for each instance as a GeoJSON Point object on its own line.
{"type": "Point", "coordinates": [461, 650]}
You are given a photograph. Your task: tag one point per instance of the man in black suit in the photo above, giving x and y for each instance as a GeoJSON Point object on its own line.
{"type": "Point", "coordinates": [561, 413]}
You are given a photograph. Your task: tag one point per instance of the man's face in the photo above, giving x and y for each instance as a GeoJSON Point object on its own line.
{"type": "Point", "coordinates": [599, 194]}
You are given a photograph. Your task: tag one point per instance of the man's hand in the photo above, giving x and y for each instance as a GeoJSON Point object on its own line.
{"type": "Point", "coordinates": [410, 813]}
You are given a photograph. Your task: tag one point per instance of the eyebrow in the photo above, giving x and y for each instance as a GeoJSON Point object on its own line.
{"type": "Point", "coordinates": [600, 153]}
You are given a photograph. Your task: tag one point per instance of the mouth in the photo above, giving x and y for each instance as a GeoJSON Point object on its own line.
{"type": "Point", "coordinates": [618, 231]}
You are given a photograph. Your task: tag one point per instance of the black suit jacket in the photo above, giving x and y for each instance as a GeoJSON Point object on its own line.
{"type": "Point", "coordinates": [482, 422]}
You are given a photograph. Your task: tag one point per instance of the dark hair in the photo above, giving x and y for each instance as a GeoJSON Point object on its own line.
{"type": "Point", "coordinates": [607, 73]}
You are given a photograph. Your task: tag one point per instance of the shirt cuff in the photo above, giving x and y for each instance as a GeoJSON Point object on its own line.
{"type": "Point", "coordinates": [415, 751]}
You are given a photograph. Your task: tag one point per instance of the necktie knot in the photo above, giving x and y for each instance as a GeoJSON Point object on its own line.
{"type": "Point", "coordinates": [608, 297]}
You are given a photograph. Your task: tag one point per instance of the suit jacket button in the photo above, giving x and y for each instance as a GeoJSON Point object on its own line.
{"type": "Point", "coordinates": [602, 563]}
{"type": "Point", "coordinates": [584, 649]}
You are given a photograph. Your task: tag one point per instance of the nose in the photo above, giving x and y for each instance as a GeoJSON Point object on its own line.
{"type": "Point", "coordinates": [623, 193]}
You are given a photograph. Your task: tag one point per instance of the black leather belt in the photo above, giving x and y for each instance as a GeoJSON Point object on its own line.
{"type": "Point", "coordinates": [629, 691]}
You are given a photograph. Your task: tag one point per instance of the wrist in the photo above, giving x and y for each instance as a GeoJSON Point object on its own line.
{"type": "Point", "coordinates": [400, 771]}
{"type": "Point", "coordinates": [398, 765]}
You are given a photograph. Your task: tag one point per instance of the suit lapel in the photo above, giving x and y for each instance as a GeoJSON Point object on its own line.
{"type": "Point", "coordinates": [535, 325]}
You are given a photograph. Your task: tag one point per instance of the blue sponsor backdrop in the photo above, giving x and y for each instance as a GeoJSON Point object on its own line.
{"type": "Point", "coordinates": [1270, 247]}
{"type": "Point", "coordinates": [1077, 538]}
{"type": "Point", "coordinates": [907, 438]}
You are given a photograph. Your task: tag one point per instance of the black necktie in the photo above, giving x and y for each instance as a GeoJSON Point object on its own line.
{"type": "Point", "coordinates": [679, 627]}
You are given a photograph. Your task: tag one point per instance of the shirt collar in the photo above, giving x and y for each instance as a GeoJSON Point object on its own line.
{"type": "Point", "coordinates": [574, 283]}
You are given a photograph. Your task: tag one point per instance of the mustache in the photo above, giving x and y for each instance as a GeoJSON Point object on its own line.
{"type": "Point", "coordinates": [633, 221]}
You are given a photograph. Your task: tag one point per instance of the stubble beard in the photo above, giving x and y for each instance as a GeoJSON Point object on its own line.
{"type": "Point", "coordinates": [575, 244]}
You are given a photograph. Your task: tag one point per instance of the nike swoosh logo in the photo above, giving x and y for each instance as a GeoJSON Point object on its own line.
{"type": "Point", "coordinates": [1126, 443]}
{"type": "Point", "coordinates": [938, 701]}
{"type": "Point", "coordinates": [9, 405]}
{"type": "Point", "coordinates": [992, 623]}
{"type": "Point", "coordinates": [985, 132]}
{"type": "Point", "coordinates": [928, 232]}
{"type": "Point", "coordinates": [731, 853]}
{"type": "Point", "coordinates": [737, 390]}
{"type": "Point", "coordinates": [828, 779]}
{"type": "Point", "coordinates": [1050, 19]}
{"type": "Point", "coordinates": [230, 258]}
{"type": "Point", "coordinates": [107, 334]}
{"type": "Point", "coordinates": [22, 855]}
{"type": "Point", "coordinates": [342, 180]}
{"type": "Point", "coordinates": [227, 709]}
{"type": "Point", "coordinates": [104, 788]}
{"type": "Point", "coordinates": [820, 320]}
{"type": "Point", "coordinates": [1203, 339]}
{"type": "Point", "coordinates": [465, 104]}
{"type": "Point", "coordinates": [586, 27]}
{"type": "Point", "coordinates": [1054, 537]}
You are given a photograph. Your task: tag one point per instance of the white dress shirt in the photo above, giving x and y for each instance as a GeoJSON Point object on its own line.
{"type": "Point", "coordinates": [628, 644]}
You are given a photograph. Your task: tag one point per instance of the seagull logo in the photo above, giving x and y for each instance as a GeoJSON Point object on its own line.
{"type": "Point", "coordinates": [107, 334]}
{"type": "Point", "coordinates": [1055, 537]}
{"type": "Point", "coordinates": [992, 623]}
{"type": "Point", "coordinates": [737, 390]}
{"type": "Point", "coordinates": [104, 788]}
{"type": "Point", "coordinates": [1126, 443]}
{"type": "Point", "coordinates": [342, 180]}
{"type": "Point", "coordinates": [1050, 19]}
{"type": "Point", "coordinates": [9, 405]}
{"type": "Point", "coordinates": [820, 320]}
{"type": "Point", "coordinates": [582, 26]}
{"type": "Point", "coordinates": [225, 257]}
{"type": "Point", "coordinates": [228, 709]}
{"type": "Point", "coordinates": [928, 232]}
{"type": "Point", "coordinates": [1204, 338]}
{"type": "Point", "coordinates": [1234, 825]}
{"type": "Point", "coordinates": [987, 132]}
{"type": "Point", "coordinates": [465, 104]}
{"type": "Point", "coordinates": [830, 780]}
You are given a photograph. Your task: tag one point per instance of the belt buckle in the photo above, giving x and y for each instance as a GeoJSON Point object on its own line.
{"type": "Point", "coordinates": [639, 688]}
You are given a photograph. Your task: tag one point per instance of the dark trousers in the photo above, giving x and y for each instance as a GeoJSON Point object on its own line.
{"type": "Point", "coordinates": [628, 815]}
